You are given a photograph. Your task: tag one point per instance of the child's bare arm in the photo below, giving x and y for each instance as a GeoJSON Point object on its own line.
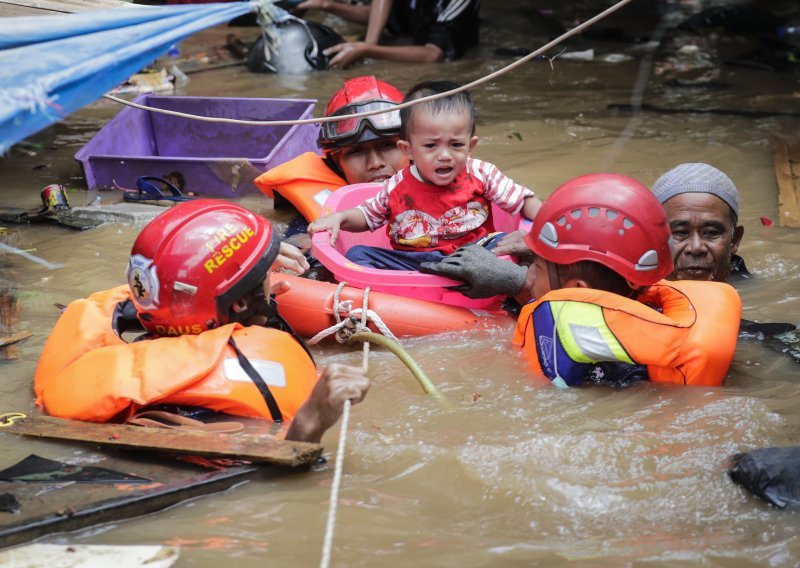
{"type": "Point", "coordinates": [505, 192]}
{"type": "Point", "coordinates": [352, 220]}
{"type": "Point", "coordinates": [531, 207]}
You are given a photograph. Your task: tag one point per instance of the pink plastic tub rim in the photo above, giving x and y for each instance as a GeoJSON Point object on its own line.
{"type": "Point", "coordinates": [407, 283]}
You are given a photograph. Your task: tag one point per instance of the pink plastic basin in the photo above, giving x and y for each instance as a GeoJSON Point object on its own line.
{"type": "Point", "coordinates": [407, 283]}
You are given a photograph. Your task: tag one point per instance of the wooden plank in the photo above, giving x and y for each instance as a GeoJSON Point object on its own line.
{"type": "Point", "coordinates": [16, 8]}
{"type": "Point", "coordinates": [254, 448]}
{"type": "Point", "coordinates": [47, 508]}
{"type": "Point", "coordinates": [786, 159]}
{"type": "Point", "coordinates": [9, 318]}
{"type": "Point", "coordinates": [16, 338]}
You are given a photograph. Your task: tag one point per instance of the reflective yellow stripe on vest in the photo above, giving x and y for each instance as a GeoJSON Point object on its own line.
{"type": "Point", "coordinates": [589, 341]}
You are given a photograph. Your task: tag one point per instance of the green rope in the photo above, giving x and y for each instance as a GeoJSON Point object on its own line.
{"type": "Point", "coordinates": [403, 355]}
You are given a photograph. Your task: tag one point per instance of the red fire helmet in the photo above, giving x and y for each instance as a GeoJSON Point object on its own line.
{"type": "Point", "coordinates": [360, 94]}
{"type": "Point", "coordinates": [191, 263]}
{"type": "Point", "coordinates": [606, 218]}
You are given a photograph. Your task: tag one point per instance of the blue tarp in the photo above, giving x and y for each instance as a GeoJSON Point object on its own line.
{"type": "Point", "coordinates": [51, 66]}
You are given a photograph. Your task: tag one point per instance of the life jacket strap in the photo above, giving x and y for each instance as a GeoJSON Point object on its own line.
{"type": "Point", "coordinates": [261, 385]}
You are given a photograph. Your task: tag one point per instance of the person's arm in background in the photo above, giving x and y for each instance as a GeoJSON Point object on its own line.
{"type": "Point", "coordinates": [345, 54]}
{"type": "Point", "coordinates": [358, 13]}
{"type": "Point", "coordinates": [378, 16]}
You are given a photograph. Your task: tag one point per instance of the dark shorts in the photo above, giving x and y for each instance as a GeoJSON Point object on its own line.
{"type": "Point", "coordinates": [390, 259]}
{"type": "Point", "coordinates": [451, 25]}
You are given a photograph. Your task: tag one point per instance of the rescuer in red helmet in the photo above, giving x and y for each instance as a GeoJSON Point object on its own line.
{"type": "Point", "coordinates": [198, 286]}
{"type": "Point", "coordinates": [602, 312]}
{"type": "Point", "coordinates": [609, 220]}
{"type": "Point", "coordinates": [363, 150]}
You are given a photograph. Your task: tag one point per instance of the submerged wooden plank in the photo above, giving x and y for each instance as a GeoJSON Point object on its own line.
{"type": "Point", "coordinates": [16, 338]}
{"type": "Point", "coordinates": [786, 159]}
{"type": "Point", "coordinates": [47, 508]}
{"type": "Point", "coordinates": [9, 319]}
{"type": "Point", "coordinates": [254, 448]}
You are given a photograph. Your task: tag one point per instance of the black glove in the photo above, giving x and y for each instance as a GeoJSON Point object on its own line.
{"type": "Point", "coordinates": [485, 274]}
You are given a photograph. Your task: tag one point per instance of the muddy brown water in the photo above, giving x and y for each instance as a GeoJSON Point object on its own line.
{"type": "Point", "coordinates": [515, 472]}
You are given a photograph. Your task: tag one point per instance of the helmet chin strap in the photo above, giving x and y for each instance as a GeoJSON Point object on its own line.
{"type": "Point", "coordinates": [552, 273]}
{"type": "Point", "coordinates": [255, 306]}
{"type": "Point", "coordinates": [635, 289]}
{"type": "Point", "coordinates": [258, 306]}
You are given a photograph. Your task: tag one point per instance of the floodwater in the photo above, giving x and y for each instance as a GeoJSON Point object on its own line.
{"type": "Point", "coordinates": [515, 471]}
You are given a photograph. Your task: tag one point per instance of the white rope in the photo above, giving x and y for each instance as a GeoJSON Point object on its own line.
{"type": "Point", "coordinates": [28, 256]}
{"type": "Point", "coordinates": [485, 79]}
{"type": "Point", "coordinates": [356, 319]}
{"type": "Point", "coordinates": [327, 545]}
{"type": "Point", "coordinates": [337, 479]}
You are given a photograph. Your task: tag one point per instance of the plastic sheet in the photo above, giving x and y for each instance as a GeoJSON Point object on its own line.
{"type": "Point", "coordinates": [773, 474]}
{"type": "Point", "coordinates": [51, 66]}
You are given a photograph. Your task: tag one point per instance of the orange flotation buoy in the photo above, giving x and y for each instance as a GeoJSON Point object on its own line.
{"type": "Point", "coordinates": [308, 308]}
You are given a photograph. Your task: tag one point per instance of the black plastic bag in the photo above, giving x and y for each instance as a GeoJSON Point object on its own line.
{"type": "Point", "coordinates": [770, 473]}
{"type": "Point", "coordinates": [298, 50]}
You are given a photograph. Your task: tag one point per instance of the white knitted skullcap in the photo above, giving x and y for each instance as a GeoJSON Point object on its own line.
{"type": "Point", "coordinates": [697, 178]}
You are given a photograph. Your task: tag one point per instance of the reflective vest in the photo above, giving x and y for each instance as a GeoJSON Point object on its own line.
{"type": "Point", "coordinates": [305, 181]}
{"type": "Point", "coordinates": [87, 372]}
{"type": "Point", "coordinates": [683, 332]}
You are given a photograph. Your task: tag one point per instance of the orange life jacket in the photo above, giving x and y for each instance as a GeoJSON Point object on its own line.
{"type": "Point", "coordinates": [305, 181]}
{"type": "Point", "coordinates": [87, 372]}
{"type": "Point", "coordinates": [684, 332]}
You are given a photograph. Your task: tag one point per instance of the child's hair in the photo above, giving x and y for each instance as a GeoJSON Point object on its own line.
{"type": "Point", "coordinates": [596, 275]}
{"type": "Point", "coordinates": [450, 103]}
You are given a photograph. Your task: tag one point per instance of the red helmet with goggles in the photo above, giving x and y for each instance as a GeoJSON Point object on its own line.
{"type": "Point", "coordinates": [193, 261]}
{"type": "Point", "coordinates": [361, 94]}
{"type": "Point", "coordinates": [606, 218]}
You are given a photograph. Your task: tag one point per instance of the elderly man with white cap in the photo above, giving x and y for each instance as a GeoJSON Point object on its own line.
{"type": "Point", "coordinates": [702, 206]}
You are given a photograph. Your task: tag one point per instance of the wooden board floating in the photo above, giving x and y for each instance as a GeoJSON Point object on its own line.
{"type": "Point", "coordinates": [254, 448]}
{"type": "Point", "coordinates": [786, 159]}
{"type": "Point", "coordinates": [48, 508]}
{"type": "Point", "coordinates": [16, 338]}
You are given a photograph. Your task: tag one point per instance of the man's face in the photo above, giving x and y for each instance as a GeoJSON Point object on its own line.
{"type": "Point", "coordinates": [248, 310]}
{"type": "Point", "coordinates": [538, 278]}
{"type": "Point", "coordinates": [371, 162]}
{"type": "Point", "coordinates": [703, 236]}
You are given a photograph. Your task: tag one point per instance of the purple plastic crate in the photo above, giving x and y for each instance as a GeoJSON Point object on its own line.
{"type": "Point", "coordinates": [215, 158]}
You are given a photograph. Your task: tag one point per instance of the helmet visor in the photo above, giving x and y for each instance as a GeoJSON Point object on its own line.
{"type": "Point", "coordinates": [387, 123]}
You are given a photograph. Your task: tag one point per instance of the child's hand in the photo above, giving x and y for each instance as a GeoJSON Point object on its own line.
{"type": "Point", "coordinates": [330, 223]}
